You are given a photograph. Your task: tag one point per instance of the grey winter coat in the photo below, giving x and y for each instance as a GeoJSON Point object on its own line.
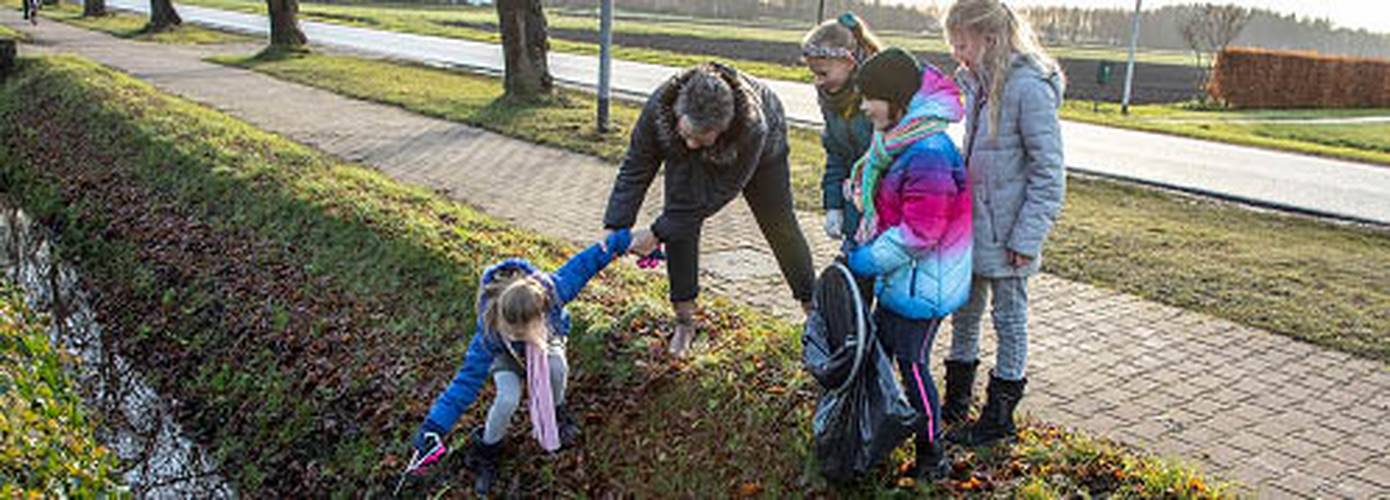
{"type": "Point", "coordinates": [1018, 177]}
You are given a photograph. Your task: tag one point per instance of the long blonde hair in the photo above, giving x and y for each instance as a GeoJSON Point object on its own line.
{"type": "Point", "coordinates": [1012, 34]}
{"type": "Point", "coordinates": [845, 36]}
{"type": "Point", "coordinates": [515, 298]}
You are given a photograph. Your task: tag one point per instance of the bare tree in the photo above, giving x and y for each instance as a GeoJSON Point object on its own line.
{"type": "Point", "coordinates": [93, 8]}
{"type": "Point", "coordinates": [1224, 24]}
{"type": "Point", "coordinates": [1209, 29]}
{"type": "Point", "coordinates": [284, 24]}
{"type": "Point", "coordinates": [162, 16]}
{"type": "Point", "coordinates": [525, 47]}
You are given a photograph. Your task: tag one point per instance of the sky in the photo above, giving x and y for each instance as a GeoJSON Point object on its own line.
{"type": "Point", "coordinates": [1373, 15]}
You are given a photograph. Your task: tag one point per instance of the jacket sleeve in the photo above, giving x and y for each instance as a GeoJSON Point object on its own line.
{"type": "Point", "coordinates": [928, 193]}
{"type": "Point", "coordinates": [570, 278]}
{"type": "Point", "coordinates": [838, 161]}
{"type": "Point", "coordinates": [464, 389]}
{"type": "Point", "coordinates": [639, 167]}
{"type": "Point", "coordinates": [1046, 174]}
{"type": "Point", "coordinates": [723, 187]}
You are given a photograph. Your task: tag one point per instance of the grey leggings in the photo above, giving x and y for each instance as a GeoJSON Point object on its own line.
{"type": "Point", "coordinates": [510, 379]}
{"type": "Point", "coordinates": [1009, 309]}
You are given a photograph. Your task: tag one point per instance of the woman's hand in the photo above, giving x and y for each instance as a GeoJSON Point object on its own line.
{"type": "Point", "coordinates": [643, 242]}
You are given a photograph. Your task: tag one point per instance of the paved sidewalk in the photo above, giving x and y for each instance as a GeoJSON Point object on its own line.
{"type": "Point", "coordinates": [1285, 418]}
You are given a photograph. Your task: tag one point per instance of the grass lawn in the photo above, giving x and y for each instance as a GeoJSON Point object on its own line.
{"type": "Point", "coordinates": [127, 25]}
{"type": "Point", "coordinates": [1315, 281]}
{"type": "Point", "coordinates": [1361, 142]}
{"type": "Point", "coordinates": [1356, 142]}
{"type": "Point", "coordinates": [434, 20]}
{"type": "Point", "coordinates": [304, 312]}
{"type": "Point", "coordinates": [8, 33]}
{"type": "Point", "coordinates": [47, 438]}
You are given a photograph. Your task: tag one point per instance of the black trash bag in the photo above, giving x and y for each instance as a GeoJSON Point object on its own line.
{"type": "Point", "coordinates": [862, 414]}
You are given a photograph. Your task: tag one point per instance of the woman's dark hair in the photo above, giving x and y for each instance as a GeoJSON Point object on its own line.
{"type": "Point", "coordinates": [706, 101]}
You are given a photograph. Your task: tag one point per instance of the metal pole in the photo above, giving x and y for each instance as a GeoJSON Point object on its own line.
{"type": "Point", "coordinates": [605, 61]}
{"type": "Point", "coordinates": [1129, 71]}
{"type": "Point", "coordinates": [820, 13]}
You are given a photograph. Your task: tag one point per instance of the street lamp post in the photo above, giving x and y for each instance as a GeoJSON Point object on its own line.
{"type": "Point", "coordinates": [605, 62]}
{"type": "Point", "coordinates": [1129, 71]}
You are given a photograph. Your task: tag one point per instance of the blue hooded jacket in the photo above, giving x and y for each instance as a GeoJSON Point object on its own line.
{"type": "Point", "coordinates": [565, 284]}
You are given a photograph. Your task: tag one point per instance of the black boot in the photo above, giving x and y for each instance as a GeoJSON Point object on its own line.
{"type": "Point", "coordinates": [569, 428]}
{"type": "Point", "coordinates": [960, 386]}
{"type": "Point", "coordinates": [931, 464]}
{"type": "Point", "coordinates": [482, 459]}
{"type": "Point", "coordinates": [996, 419]}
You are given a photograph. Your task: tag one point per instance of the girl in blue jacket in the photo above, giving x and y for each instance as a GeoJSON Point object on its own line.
{"type": "Point", "coordinates": [520, 338]}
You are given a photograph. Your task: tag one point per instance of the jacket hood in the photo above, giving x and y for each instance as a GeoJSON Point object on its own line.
{"type": "Point", "coordinates": [938, 98]}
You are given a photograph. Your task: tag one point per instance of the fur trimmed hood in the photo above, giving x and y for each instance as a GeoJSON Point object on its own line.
{"type": "Point", "coordinates": [748, 116]}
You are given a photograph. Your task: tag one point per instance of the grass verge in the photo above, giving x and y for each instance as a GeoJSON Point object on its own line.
{"type": "Point", "coordinates": [1360, 142]}
{"type": "Point", "coordinates": [126, 25]}
{"type": "Point", "coordinates": [48, 443]}
{"type": "Point", "coordinates": [462, 22]}
{"type": "Point", "coordinates": [1356, 142]}
{"type": "Point", "coordinates": [8, 33]}
{"type": "Point", "coordinates": [1315, 281]}
{"type": "Point", "coordinates": [304, 312]}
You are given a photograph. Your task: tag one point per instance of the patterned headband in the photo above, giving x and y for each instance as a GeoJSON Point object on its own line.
{"type": "Point", "coordinates": [814, 51]}
{"type": "Point", "coordinates": [847, 20]}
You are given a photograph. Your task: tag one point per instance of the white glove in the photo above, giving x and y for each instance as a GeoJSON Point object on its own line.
{"type": "Point", "coordinates": [834, 220]}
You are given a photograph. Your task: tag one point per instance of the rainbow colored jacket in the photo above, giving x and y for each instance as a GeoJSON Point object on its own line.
{"type": "Point", "coordinates": [921, 253]}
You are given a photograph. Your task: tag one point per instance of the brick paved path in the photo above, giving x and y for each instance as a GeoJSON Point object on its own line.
{"type": "Point", "coordinates": [1283, 417]}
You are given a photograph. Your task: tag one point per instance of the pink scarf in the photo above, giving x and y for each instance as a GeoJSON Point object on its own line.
{"type": "Point", "coordinates": [542, 400]}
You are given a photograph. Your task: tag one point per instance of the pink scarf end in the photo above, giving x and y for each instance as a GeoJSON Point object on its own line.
{"type": "Point", "coordinates": [541, 398]}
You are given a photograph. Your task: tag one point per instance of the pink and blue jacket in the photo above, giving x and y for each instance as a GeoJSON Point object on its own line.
{"type": "Point", "coordinates": [921, 251]}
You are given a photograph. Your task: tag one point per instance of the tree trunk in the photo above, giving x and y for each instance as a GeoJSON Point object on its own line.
{"type": "Point", "coordinates": [284, 24]}
{"type": "Point", "coordinates": [524, 48]}
{"type": "Point", "coordinates": [93, 8]}
{"type": "Point", "coordinates": [162, 16]}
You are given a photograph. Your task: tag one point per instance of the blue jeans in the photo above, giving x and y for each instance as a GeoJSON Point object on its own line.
{"type": "Point", "coordinates": [1009, 310]}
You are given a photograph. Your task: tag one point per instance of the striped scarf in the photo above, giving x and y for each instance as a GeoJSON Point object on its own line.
{"type": "Point", "coordinates": [869, 169]}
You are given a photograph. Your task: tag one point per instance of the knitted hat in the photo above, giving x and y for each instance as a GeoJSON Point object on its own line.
{"type": "Point", "coordinates": [892, 75]}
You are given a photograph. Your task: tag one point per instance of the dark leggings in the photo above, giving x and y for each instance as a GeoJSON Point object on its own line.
{"type": "Point", "coordinates": [769, 195]}
{"type": "Point", "coordinates": [909, 342]}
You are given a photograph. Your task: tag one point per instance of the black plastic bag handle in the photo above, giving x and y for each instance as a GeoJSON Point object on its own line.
{"type": "Point", "coordinates": [860, 322]}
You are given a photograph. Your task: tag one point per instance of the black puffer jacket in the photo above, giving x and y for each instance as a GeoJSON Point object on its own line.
{"type": "Point", "coordinates": [698, 183]}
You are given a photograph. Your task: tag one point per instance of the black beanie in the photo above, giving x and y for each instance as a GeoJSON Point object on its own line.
{"type": "Point", "coordinates": [892, 75]}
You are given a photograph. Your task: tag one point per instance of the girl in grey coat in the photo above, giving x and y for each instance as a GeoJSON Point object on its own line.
{"type": "Point", "coordinates": [1013, 148]}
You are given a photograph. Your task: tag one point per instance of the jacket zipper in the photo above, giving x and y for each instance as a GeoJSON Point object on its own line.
{"type": "Point", "coordinates": [980, 97]}
{"type": "Point", "coordinates": [912, 284]}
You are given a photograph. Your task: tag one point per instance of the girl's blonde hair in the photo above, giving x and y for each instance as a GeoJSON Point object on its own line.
{"type": "Point", "coordinates": [516, 299]}
{"type": "Point", "coordinates": [843, 37]}
{"type": "Point", "coordinates": [1012, 34]}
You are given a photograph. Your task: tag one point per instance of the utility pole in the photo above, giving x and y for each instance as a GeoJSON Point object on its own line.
{"type": "Point", "coordinates": [1129, 72]}
{"type": "Point", "coordinates": [605, 62]}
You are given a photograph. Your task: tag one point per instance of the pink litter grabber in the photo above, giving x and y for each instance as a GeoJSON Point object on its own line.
{"type": "Point", "coordinates": [420, 461]}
